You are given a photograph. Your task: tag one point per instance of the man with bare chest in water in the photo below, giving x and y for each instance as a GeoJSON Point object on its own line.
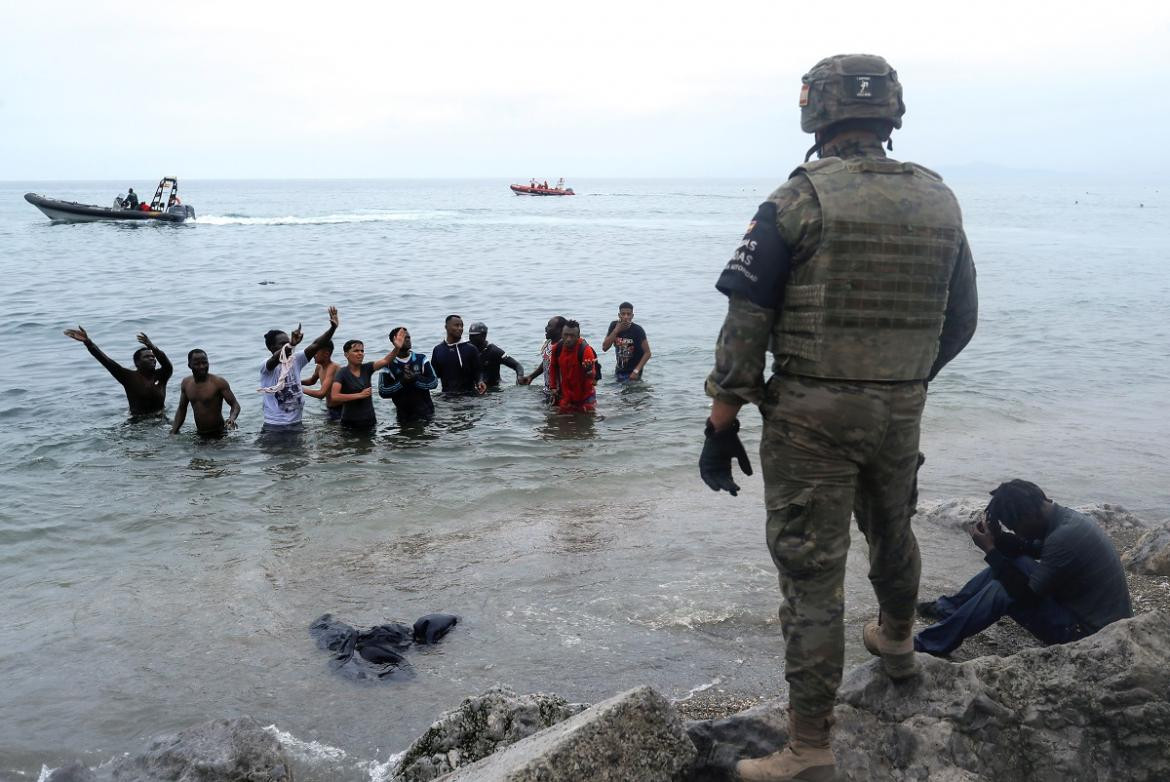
{"type": "Point", "coordinates": [206, 393]}
{"type": "Point", "coordinates": [146, 384]}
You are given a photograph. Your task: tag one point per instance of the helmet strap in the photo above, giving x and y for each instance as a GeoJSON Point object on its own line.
{"type": "Point", "coordinates": [890, 142]}
{"type": "Point", "coordinates": [815, 148]}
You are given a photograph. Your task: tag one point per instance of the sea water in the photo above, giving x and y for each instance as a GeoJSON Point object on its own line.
{"type": "Point", "coordinates": [148, 582]}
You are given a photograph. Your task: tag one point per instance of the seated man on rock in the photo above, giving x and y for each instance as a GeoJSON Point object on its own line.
{"type": "Point", "coordinates": [1058, 575]}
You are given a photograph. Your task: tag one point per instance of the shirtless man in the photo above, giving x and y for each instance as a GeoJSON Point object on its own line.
{"type": "Point", "coordinates": [206, 393]}
{"type": "Point", "coordinates": [324, 370]}
{"type": "Point", "coordinates": [146, 384]}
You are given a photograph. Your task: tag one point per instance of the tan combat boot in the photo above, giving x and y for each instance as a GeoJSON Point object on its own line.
{"type": "Point", "coordinates": [807, 758]}
{"type": "Point", "coordinates": [893, 641]}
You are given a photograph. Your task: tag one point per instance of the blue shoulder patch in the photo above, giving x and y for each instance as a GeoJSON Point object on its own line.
{"type": "Point", "coordinates": [759, 268]}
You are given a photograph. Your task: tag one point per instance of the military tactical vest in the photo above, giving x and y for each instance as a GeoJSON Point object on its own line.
{"type": "Point", "coordinates": [870, 302]}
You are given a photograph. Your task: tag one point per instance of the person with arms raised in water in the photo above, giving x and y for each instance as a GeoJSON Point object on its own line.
{"type": "Point", "coordinates": [573, 372]}
{"type": "Point", "coordinates": [206, 393]}
{"type": "Point", "coordinates": [491, 356]}
{"type": "Point", "coordinates": [633, 349]}
{"type": "Point", "coordinates": [552, 338]}
{"type": "Point", "coordinates": [408, 381]}
{"type": "Point", "coordinates": [323, 373]}
{"type": "Point", "coordinates": [457, 363]}
{"type": "Point", "coordinates": [353, 386]}
{"type": "Point", "coordinates": [146, 384]}
{"type": "Point", "coordinates": [280, 375]}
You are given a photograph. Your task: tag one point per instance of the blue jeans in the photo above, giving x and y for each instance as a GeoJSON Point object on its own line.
{"type": "Point", "coordinates": [982, 602]}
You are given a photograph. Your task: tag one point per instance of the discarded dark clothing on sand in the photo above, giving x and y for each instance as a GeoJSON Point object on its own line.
{"type": "Point", "coordinates": [376, 653]}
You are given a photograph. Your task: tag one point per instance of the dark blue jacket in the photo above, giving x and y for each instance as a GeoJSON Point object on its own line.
{"type": "Point", "coordinates": [411, 399]}
{"type": "Point", "coordinates": [457, 366]}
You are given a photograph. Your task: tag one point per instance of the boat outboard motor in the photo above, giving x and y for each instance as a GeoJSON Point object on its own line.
{"type": "Point", "coordinates": [186, 211]}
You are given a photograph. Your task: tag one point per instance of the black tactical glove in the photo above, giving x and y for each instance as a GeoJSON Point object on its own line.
{"type": "Point", "coordinates": [715, 461]}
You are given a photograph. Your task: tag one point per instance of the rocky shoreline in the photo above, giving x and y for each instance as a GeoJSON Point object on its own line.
{"type": "Point", "coordinates": [1003, 707]}
{"type": "Point", "coordinates": [1149, 591]}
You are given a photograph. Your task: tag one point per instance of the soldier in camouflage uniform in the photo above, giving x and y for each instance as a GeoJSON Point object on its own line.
{"type": "Point", "coordinates": [856, 274]}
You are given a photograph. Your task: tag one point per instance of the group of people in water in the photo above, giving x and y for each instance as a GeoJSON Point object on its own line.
{"type": "Point", "coordinates": [569, 364]}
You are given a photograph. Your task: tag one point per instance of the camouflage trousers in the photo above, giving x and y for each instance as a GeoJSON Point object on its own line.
{"type": "Point", "coordinates": [829, 449]}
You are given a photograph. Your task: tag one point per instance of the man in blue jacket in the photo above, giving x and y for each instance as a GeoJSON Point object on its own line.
{"type": "Point", "coordinates": [408, 380]}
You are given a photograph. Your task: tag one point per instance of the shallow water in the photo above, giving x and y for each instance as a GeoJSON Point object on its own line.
{"type": "Point", "coordinates": [149, 582]}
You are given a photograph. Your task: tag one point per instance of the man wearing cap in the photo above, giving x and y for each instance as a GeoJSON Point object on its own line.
{"type": "Point", "coordinates": [491, 356]}
{"type": "Point", "coordinates": [857, 275]}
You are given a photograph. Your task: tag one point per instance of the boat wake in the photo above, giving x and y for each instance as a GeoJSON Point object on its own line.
{"type": "Point", "coordinates": [332, 219]}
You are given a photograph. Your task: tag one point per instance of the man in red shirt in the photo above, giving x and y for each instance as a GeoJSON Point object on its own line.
{"type": "Point", "coordinates": [572, 372]}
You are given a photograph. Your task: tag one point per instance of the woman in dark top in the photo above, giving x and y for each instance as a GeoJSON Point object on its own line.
{"type": "Point", "coordinates": [353, 386]}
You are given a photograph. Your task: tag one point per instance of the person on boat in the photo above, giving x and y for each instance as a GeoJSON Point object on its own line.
{"type": "Point", "coordinates": [323, 372]}
{"type": "Point", "coordinates": [573, 372]}
{"type": "Point", "coordinates": [280, 375]}
{"type": "Point", "coordinates": [491, 356]}
{"type": "Point", "coordinates": [457, 363]}
{"type": "Point", "coordinates": [353, 386]}
{"type": "Point", "coordinates": [552, 335]}
{"type": "Point", "coordinates": [131, 201]}
{"type": "Point", "coordinates": [408, 381]}
{"type": "Point", "coordinates": [206, 393]}
{"type": "Point", "coordinates": [146, 384]}
{"type": "Point", "coordinates": [545, 185]}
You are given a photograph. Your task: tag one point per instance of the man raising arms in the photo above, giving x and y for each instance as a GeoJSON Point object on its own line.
{"type": "Point", "coordinates": [145, 385]}
{"type": "Point", "coordinates": [206, 393]}
{"type": "Point", "coordinates": [408, 381]}
{"type": "Point", "coordinates": [280, 375]}
{"type": "Point", "coordinates": [324, 371]}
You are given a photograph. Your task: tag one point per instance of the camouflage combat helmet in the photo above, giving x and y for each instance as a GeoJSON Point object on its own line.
{"type": "Point", "coordinates": [850, 86]}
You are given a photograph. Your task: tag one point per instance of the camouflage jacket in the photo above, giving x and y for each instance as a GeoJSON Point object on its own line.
{"type": "Point", "coordinates": [784, 234]}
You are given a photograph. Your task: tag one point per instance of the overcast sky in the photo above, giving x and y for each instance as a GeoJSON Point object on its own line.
{"type": "Point", "coordinates": [211, 89]}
